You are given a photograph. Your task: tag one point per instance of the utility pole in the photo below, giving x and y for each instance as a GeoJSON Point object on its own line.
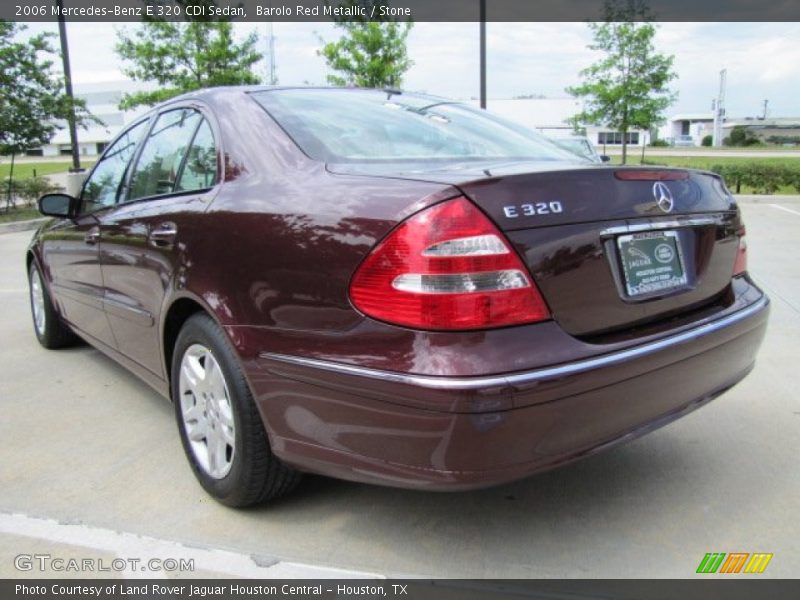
{"type": "Point", "coordinates": [719, 109]}
{"type": "Point", "coordinates": [73, 133]}
{"type": "Point", "coordinates": [483, 53]}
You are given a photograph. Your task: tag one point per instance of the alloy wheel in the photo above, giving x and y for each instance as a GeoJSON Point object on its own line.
{"type": "Point", "coordinates": [207, 411]}
{"type": "Point", "coordinates": [37, 302]}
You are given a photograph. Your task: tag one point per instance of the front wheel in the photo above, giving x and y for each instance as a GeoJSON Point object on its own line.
{"type": "Point", "coordinates": [50, 330]}
{"type": "Point", "coordinates": [220, 428]}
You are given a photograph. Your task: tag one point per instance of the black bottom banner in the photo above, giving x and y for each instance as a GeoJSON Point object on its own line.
{"type": "Point", "coordinates": [411, 589]}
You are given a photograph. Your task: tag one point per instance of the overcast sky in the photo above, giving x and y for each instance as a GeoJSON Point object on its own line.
{"type": "Point", "coordinates": [762, 59]}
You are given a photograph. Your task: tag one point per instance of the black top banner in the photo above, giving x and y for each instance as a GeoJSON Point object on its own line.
{"type": "Point", "coordinates": [382, 10]}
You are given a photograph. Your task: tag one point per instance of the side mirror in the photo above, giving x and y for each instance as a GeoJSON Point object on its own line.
{"type": "Point", "coordinates": [62, 206]}
{"type": "Point", "coordinates": [605, 157]}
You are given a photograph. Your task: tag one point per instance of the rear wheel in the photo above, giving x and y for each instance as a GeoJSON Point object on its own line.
{"type": "Point", "coordinates": [220, 428]}
{"type": "Point", "coordinates": [50, 330]}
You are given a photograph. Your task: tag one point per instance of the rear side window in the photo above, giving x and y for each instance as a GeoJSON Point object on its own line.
{"type": "Point", "coordinates": [200, 170]}
{"type": "Point", "coordinates": [103, 185]}
{"type": "Point", "coordinates": [159, 169]}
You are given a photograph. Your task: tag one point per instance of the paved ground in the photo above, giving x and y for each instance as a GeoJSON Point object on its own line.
{"type": "Point", "coordinates": [89, 451]}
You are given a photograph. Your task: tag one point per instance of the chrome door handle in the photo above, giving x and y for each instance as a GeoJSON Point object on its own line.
{"type": "Point", "coordinates": [92, 236]}
{"type": "Point", "coordinates": [163, 236]}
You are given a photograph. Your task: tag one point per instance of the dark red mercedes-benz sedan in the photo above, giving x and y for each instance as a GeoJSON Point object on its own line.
{"type": "Point", "coordinates": [393, 288]}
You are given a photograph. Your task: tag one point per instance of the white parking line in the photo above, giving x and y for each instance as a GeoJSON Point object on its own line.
{"type": "Point", "coordinates": [789, 210]}
{"type": "Point", "coordinates": [143, 548]}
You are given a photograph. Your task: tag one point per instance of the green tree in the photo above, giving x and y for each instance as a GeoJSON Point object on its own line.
{"type": "Point", "coordinates": [32, 98]}
{"type": "Point", "coordinates": [184, 56]}
{"type": "Point", "coordinates": [741, 136]}
{"type": "Point", "coordinates": [369, 53]}
{"type": "Point", "coordinates": [627, 88]}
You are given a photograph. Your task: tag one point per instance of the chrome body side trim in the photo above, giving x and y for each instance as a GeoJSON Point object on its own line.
{"type": "Point", "coordinates": [125, 311]}
{"type": "Point", "coordinates": [537, 375]}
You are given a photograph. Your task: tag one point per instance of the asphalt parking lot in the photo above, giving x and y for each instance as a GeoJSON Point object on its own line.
{"type": "Point", "coordinates": [92, 467]}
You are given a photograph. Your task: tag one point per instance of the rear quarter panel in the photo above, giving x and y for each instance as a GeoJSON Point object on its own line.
{"type": "Point", "coordinates": [278, 245]}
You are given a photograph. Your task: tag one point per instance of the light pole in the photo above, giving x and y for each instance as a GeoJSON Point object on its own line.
{"type": "Point", "coordinates": [73, 133]}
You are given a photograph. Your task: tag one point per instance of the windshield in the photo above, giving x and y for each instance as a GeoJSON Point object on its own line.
{"type": "Point", "coordinates": [372, 126]}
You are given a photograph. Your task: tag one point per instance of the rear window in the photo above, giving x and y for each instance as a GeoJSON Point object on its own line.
{"type": "Point", "coordinates": [579, 147]}
{"type": "Point", "coordinates": [373, 126]}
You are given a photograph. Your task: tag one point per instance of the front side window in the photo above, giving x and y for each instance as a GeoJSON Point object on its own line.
{"type": "Point", "coordinates": [102, 187]}
{"type": "Point", "coordinates": [160, 162]}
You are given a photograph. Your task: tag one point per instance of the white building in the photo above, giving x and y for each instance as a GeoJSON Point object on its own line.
{"type": "Point", "coordinates": [102, 100]}
{"type": "Point", "coordinates": [697, 125]}
{"type": "Point", "coordinates": [550, 115]}
{"type": "Point", "coordinates": [779, 130]}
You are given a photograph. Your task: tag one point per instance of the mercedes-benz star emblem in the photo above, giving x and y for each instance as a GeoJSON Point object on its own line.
{"type": "Point", "coordinates": [663, 196]}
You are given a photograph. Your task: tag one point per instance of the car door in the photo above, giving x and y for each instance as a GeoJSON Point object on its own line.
{"type": "Point", "coordinates": [71, 248]}
{"type": "Point", "coordinates": [142, 239]}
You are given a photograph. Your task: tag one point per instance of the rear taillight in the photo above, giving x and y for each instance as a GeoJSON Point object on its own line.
{"type": "Point", "coordinates": [740, 266]}
{"type": "Point", "coordinates": [447, 267]}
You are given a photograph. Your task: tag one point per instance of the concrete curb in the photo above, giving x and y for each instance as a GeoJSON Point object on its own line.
{"type": "Point", "coordinates": [21, 225]}
{"type": "Point", "coordinates": [206, 559]}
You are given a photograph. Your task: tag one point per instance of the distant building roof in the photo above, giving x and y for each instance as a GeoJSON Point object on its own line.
{"type": "Point", "coordinates": [777, 123]}
{"type": "Point", "coordinates": [693, 117]}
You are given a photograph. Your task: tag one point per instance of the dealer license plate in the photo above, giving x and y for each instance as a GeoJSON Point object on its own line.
{"type": "Point", "coordinates": [651, 262]}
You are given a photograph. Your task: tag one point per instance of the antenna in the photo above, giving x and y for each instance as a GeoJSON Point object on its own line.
{"type": "Point", "coordinates": [271, 78]}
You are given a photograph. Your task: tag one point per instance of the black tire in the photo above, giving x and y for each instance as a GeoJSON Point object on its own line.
{"type": "Point", "coordinates": [256, 474]}
{"type": "Point", "coordinates": [53, 333]}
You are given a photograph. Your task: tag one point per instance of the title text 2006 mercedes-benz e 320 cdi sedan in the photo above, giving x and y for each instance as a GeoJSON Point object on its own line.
{"type": "Point", "coordinates": [393, 288]}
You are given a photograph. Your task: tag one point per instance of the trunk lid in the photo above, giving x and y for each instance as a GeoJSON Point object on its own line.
{"type": "Point", "coordinates": [610, 248]}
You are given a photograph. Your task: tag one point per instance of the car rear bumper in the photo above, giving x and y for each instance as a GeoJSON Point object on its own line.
{"type": "Point", "coordinates": [459, 433]}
